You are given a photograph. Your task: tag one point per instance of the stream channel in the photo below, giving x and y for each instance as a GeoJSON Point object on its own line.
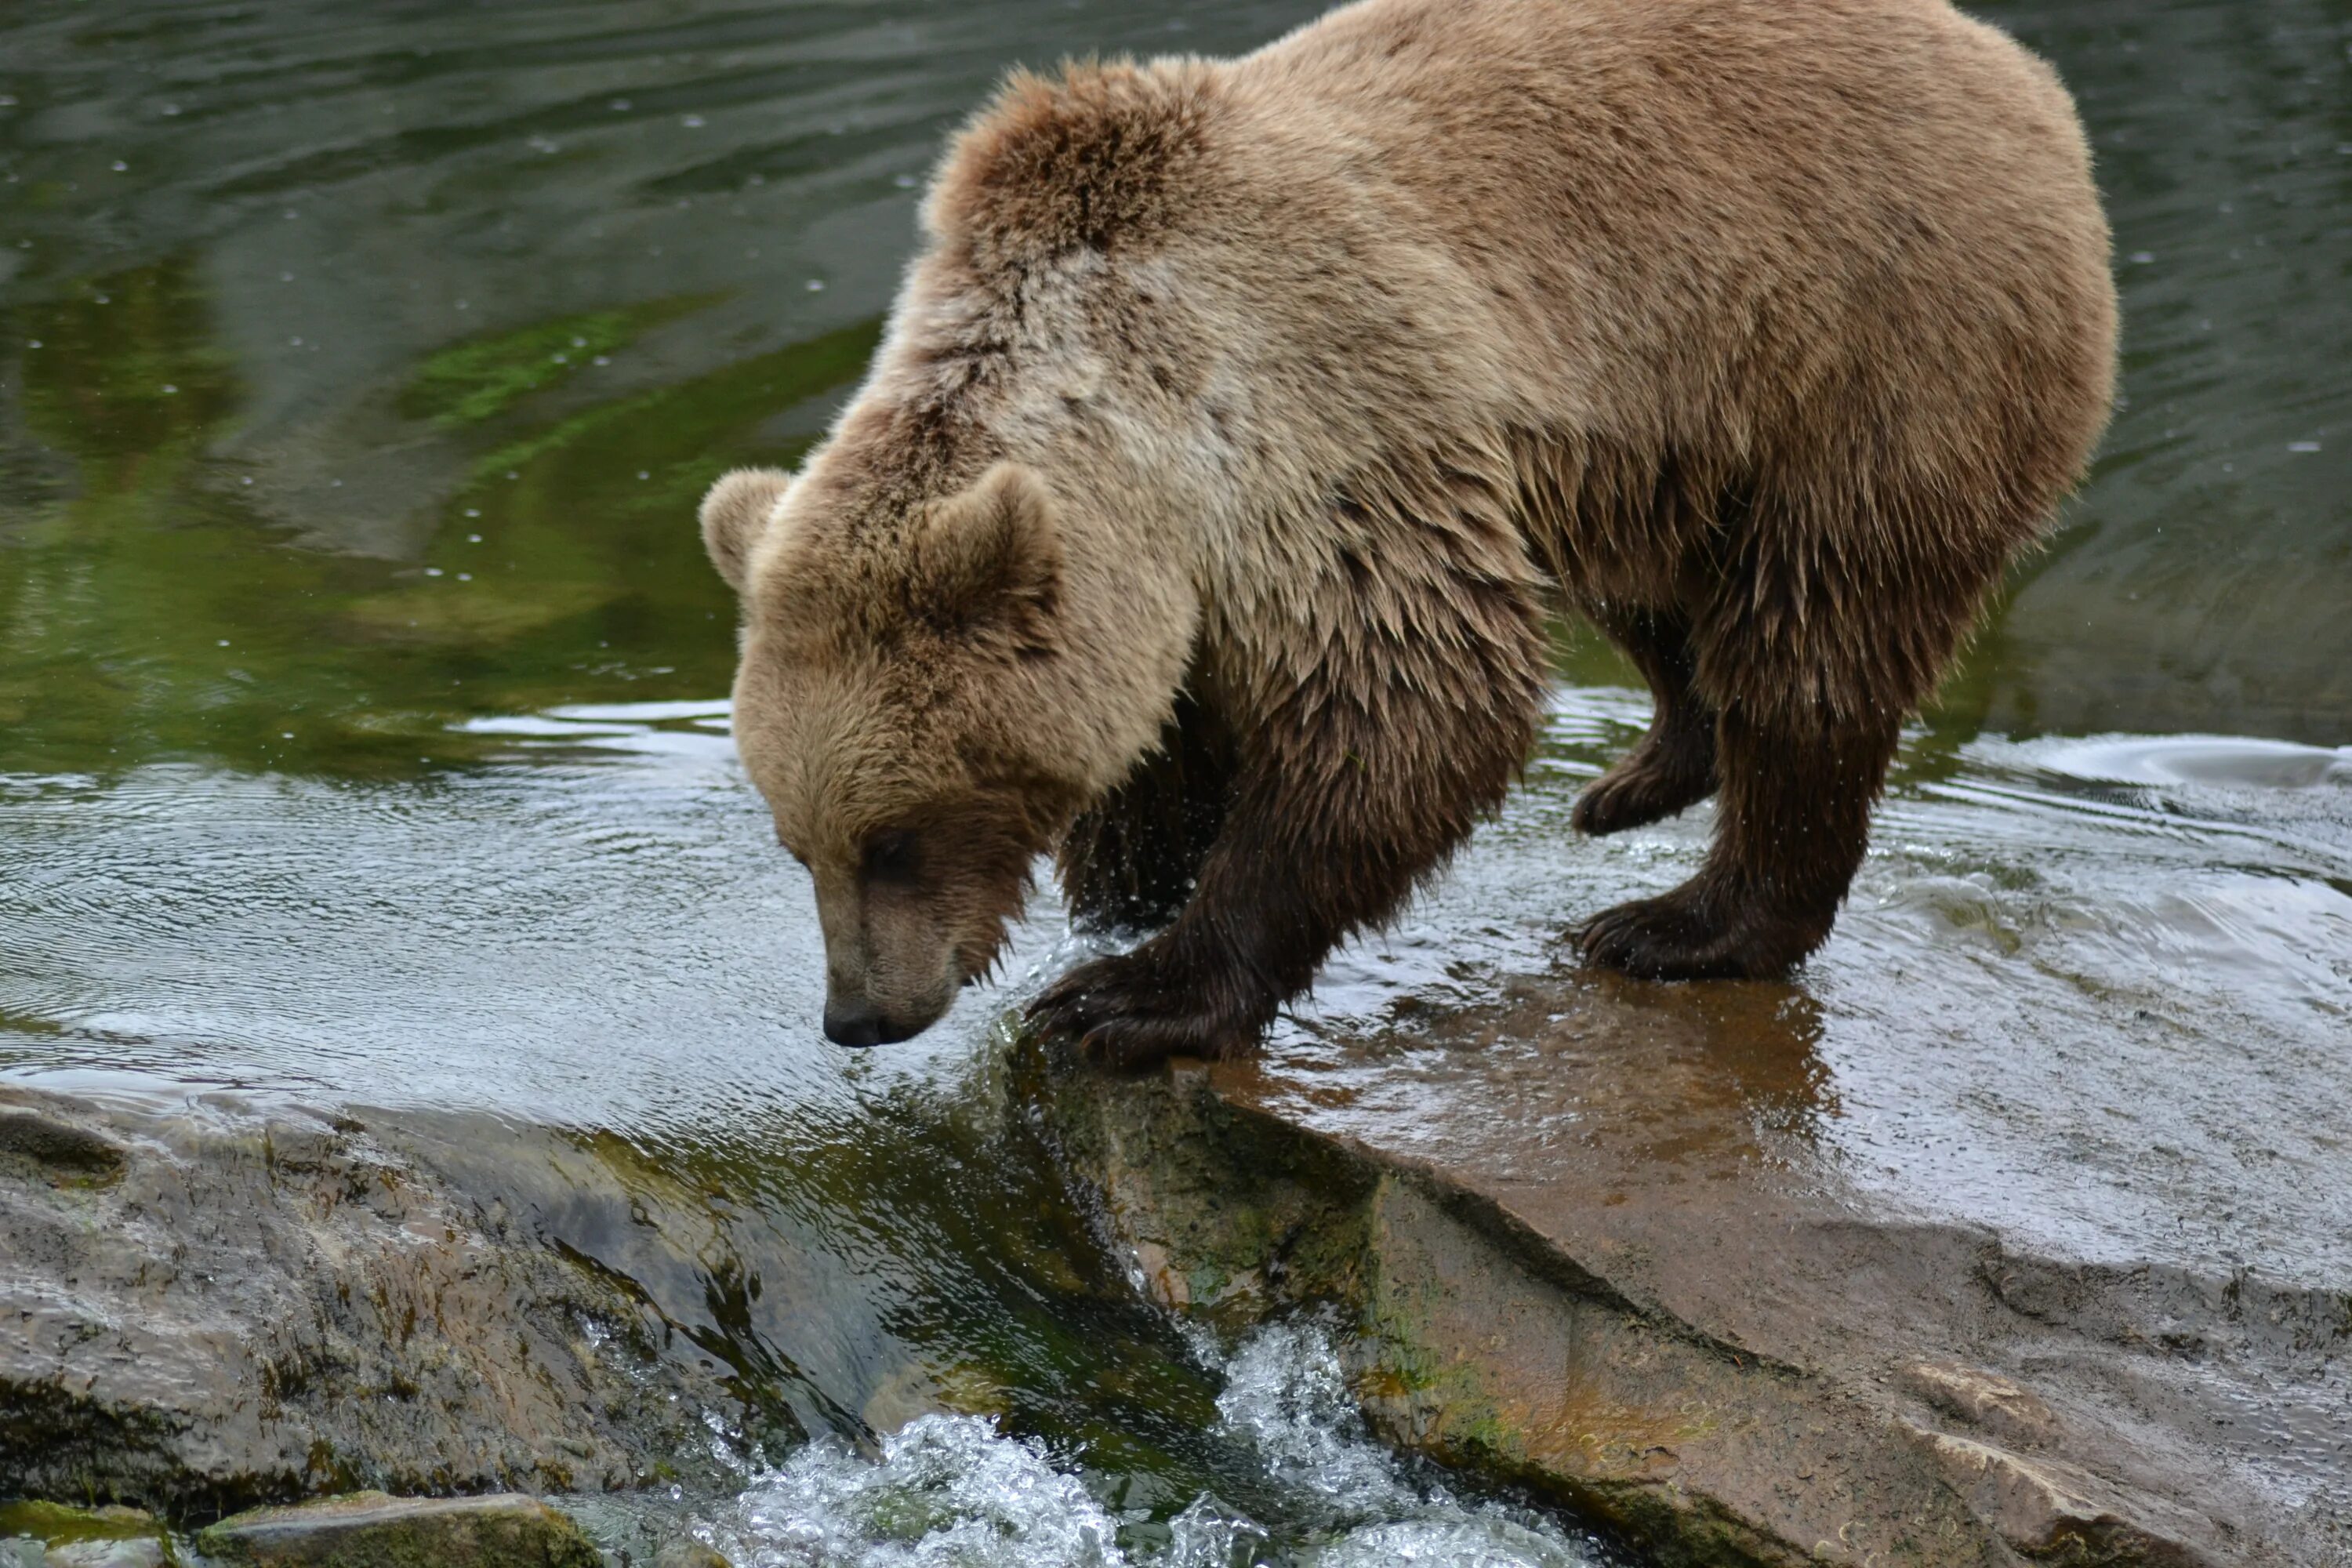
{"type": "Point", "coordinates": [362, 741]}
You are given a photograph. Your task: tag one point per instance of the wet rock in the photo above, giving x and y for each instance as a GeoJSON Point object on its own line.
{"type": "Point", "coordinates": [205, 1309]}
{"type": "Point", "coordinates": [370, 1529]}
{"type": "Point", "coordinates": [2047, 1511]}
{"type": "Point", "coordinates": [1583, 1251]}
{"type": "Point", "coordinates": [691, 1554]}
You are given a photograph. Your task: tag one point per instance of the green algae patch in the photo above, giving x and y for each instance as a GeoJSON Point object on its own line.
{"type": "Point", "coordinates": [481, 377]}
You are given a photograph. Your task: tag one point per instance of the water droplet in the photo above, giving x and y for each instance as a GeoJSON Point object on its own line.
{"type": "Point", "coordinates": [171, 109]}
{"type": "Point", "coordinates": [691, 122]}
{"type": "Point", "coordinates": [169, 389]}
{"type": "Point", "coordinates": [432, 571]}
{"type": "Point", "coordinates": [598, 360]}
{"type": "Point", "coordinates": [645, 473]}
{"type": "Point", "coordinates": [294, 342]}
{"type": "Point", "coordinates": [7, 101]}
{"type": "Point", "coordinates": [2142, 258]}
{"type": "Point", "coordinates": [2303, 445]}
{"type": "Point", "coordinates": [473, 538]}
{"type": "Point", "coordinates": [32, 342]}
{"type": "Point", "coordinates": [286, 278]}
{"type": "Point", "coordinates": [579, 342]}
{"type": "Point", "coordinates": [904, 182]}
{"type": "Point", "coordinates": [465, 576]}
{"type": "Point", "coordinates": [816, 285]}
{"type": "Point", "coordinates": [512, 475]}
{"type": "Point", "coordinates": [619, 106]}
{"type": "Point", "coordinates": [561, 359]}
{"type": "Point", "coordinates": [224, 642]}
{"type": "Point", "coordinates": [120, 167]}
{"type": "Point", "coordinates": [473, 511]}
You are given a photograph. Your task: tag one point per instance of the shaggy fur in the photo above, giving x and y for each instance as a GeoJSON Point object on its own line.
{"type": "Point", "coordinates": [1239, 419]}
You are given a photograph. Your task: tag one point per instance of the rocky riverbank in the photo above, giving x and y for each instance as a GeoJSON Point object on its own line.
{"type": "Point", "coordinates": [1591, 1241]}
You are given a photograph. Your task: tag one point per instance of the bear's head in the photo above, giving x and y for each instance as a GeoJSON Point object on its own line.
{"type": "Point", "coordinates": [905, 704]}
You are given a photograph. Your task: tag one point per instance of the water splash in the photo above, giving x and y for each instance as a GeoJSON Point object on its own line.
{"type": "Point", "coordinates": [954, 1491]}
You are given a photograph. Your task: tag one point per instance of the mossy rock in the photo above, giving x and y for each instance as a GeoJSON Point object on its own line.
{"type": "Point", "coordinates": [370, 1529]}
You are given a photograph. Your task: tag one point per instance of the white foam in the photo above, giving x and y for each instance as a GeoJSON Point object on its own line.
{"type": "Point", "coordinates": [952, 1491]}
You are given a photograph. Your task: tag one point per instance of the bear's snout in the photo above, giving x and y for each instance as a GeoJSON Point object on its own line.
{"type": "Point", "coordinates": [859, 1023]}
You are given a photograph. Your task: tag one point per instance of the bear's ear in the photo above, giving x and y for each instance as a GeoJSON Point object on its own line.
{"type": "Point", "coordinates": [989, 560]}
{"type": "Point", "coordinates": [736, 514]}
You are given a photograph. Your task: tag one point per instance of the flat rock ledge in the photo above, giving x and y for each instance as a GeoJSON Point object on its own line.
{"type": "Point", "coordinates": [1733, 1369]}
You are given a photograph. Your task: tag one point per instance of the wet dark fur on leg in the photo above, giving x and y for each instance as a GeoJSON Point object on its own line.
{"type": "Point", "coordinates": [1132, 860]}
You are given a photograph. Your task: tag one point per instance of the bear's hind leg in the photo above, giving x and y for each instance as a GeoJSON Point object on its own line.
{"type": "Point", "coordinates": [1672, 768]}
{"type": "Point", "coordinates": [1792, 822]}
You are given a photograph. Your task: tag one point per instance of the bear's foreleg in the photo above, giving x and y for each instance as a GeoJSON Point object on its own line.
{"type": "Point", "coordinates": [1303, 860]}
{"type": "Point", "coordinates": [1672, 766]}
{"type": "Point", "coordinates": [1373, 744]}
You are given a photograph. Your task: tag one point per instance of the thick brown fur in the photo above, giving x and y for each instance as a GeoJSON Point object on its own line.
{"type": "Point", "coordinates": [1272, 399]}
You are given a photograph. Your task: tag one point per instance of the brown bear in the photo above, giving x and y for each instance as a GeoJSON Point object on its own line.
{"type": "Point", "coordinates": [1241, 422]}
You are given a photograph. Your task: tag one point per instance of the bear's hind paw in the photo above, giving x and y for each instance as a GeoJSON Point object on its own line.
{"type": "Point", "coordinates": [1687, 935]}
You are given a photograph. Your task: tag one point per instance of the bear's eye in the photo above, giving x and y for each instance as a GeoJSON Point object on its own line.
{"type": "Point", "coordinates": [890, 857]}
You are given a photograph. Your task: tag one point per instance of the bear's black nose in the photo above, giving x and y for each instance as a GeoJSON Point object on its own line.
{"type": "Point", "coordinates": [854, 1024]}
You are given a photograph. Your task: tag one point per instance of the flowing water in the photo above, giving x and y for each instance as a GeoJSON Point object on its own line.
{"type": "Point", "coordinates": [361, 741]}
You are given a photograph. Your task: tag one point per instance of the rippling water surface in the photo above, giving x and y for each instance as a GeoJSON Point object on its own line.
{"type": "Point", "coordinates": [360, 738]}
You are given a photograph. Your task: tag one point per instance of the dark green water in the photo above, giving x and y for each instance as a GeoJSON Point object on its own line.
{"type": "Point", "coordinates": [361, 723]}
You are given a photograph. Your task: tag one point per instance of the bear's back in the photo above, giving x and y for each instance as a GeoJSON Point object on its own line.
{"type": "Point", "coordinates": [1688, 218]}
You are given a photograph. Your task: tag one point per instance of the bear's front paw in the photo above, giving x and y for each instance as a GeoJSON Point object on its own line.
{"type": "Point", "coordinates": [1136, 1010]}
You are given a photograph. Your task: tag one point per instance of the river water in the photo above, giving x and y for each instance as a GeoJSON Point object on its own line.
{"type": "Point", "coordinates": [362, 737]}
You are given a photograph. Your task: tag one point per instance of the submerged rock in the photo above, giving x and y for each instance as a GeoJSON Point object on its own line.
{"type": "Point", "coordinates": [51, 1535]}
{"type": "Point", "coordinates": [370, 1529]}
{"type": "Point", "coordinates": [206, 1309]}
{"type": "Point", "coordinates": [691, 1554]}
